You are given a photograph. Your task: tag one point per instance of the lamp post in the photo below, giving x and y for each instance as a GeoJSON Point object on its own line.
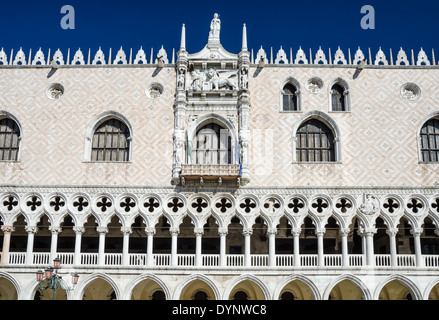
{"type": "Point", "coordinates": [54, 281]}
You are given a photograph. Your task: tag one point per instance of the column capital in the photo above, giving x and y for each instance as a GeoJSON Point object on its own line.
{"type": "Point", "coordinates": [271, 231]}
{"type": "Point", "coordinates": [103, 230]}
{"type": "Point", "coordinates": [392, 231]}
{"type": "Point", "coordinates": [320, 231]}
{"type": "Point", "coordinates": [247, 232]}
{"type": "Point", "coordinates": [222, 231]}
{"type": "Point", "coordinates": [126, 230]}
{"type": "Point", "coordinates": [345, 231]}
{"type": "Point", "coordinates": [78, 230]}
{"type": "Point", "coordinates": [8, 229]}
{"type": "Point", "coordinates": [198, 231]}
{"type": "Point", "coordinates": [296, 232]}
{"type": "Point", "coordinates": [55, 229]}
{"type": "Point", "coordinates": [416, 232]}
{"type": "Point", "coordinates": [31, 229]}
{"type": "Point", "coordinates": [150, 231]}
{"type": "Point", "coordinates": [174, 231]}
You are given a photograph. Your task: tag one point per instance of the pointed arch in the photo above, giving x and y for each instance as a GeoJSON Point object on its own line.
{"type": "Point", "coordinates": [327, 128]}
{"type": "Point", "coordinates": [179, 289]}
{"type": "Point", "coordinates": [145, 277]}
{"type": "Point", "coordinates": [10, 137]}
{"type": "Point", "coordinates": [290, 95]}
{"type": "Point", "coordinates": [253, 280]}
{"type": "Point", "coordinates": [122, 128]}
{"type": "Point", "coordinates": [427, 135]}
{"type": "Point", "coordinates": [339, 96]}
{"type": "Point", "coordinates": [403, 280]}
{"type": "Point", "coordinates": [366, 295]}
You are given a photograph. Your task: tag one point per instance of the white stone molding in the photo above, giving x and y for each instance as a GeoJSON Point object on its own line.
{"type": "Point", "coordinates": [55, 204]}
{"type": "Point", "coordinates": [381, 58]}
{"type": "Point", "coordinates": [120, 57]}
{"type": "Point", "coordinates": [410, 91]}
{"type": "Point", "coordinates": [359, 56]}
{"type": "Point", "coordinates": [3, 58]}
{"type": "Point", "coordinates": [339, 57]}
{"type": "Point", "coordinates": [78, 57]}
{"type": "Point", "coordinates": [20, 58]}
{"type": "Point", "coordinates": [422, 58]}
{"type": "Point", "coordinates": [320, 57]}
{"type": "Point", "coordinates": [300, 57]}
{"type": "Point", "coordinates": [261, 55]}
{"type": "Point", "coordinates": [402, 58]}
{"type": "Point", "coordinates": [243, 277]}
{"type": "Point", "coordinates": [99, 57]}
{"type": "Point", "coordinates": [199, 205]}
{"type": "Point", "coordinates": [281, 56]}
{"type": "Point", "coordinates": [58, 57]}
{"type": "Point", "coordinates": [39, 58]}
{"type": "Point", "coordinates": [407, 282]}
{"type": "Point", "coordinates": [127, 204]}
{"type": "Point", "coordinates": [140, 57]}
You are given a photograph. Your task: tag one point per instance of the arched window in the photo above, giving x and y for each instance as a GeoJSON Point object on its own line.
{"type": "Point", "coordinates": [212, 145]}
{"type": "Point", "coordinates": [430, 141]}
{"type": "Point", "coordinates": [9, 140]}
{"type": "Point", "coordinates": [315, 142]}
{"type": "Point", "coordinates": [111, 141]}
{"type": "Point", "coordinates": [339, 96]}
{"type": "Point", "coordinates": [290, 98]}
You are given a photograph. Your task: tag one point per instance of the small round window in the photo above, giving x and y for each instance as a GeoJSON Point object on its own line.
{"type": "Point", "coordinates": [154, 90]}
{"type": "Point", "coordinates": [55, 91]}
{"type": "Point", "coordinates": [410, 91]}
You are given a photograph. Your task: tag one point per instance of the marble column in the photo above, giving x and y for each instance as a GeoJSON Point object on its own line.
{"type": "Point", "coordinates": [150, 231]}
{"type": "Point", "coordinates": [78, 240]}
{"type": "Point", "coordinates": [247, 257]}
{"type": "Point", "coordinates": [296, 246]}
{"type": "Point", "coordinates": [392, 232]}
{"type": "Point", "coordinates": [223, 235]}
{"type": "Point", "coordinates": [174, 236]}
{"type": "Point", "coordinates": [101, 254]}
{"type": "Point", "coordinates": [7, 230]}
{"type": "Point", "coordinates": [344, 246]}
{"type": "Point", "coordinates": [54, 241]}
{"type": "Point", "coordinates": [320, 249]}
{"type": "Point", "coordinates": [31, 230]}
{"type": "Point", "coordinates": [126, 231]}
{"type": "Point", "coordinates": [370, 256]}
{"type": "Point", "coordinates": [272, 247]}
{"type": "Point", "coordinates": [416, 232]}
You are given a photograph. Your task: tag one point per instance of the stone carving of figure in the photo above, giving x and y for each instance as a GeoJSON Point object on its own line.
{"type": "Point", "coordinates": [197, 79]}
{"type": "Point", "coordinates": [180, 80]}
{"type": "Point", "coordinates": [215, 27]}
{"type": "Point", "coordinates": [368, 206]}
{"type": "Point", "coordinates": [244, 79]}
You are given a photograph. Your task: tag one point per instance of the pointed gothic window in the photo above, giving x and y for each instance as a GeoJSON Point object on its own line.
{"type": "Point", "coordinates": [111, 142]}
{"type": "Point", "coordinates": [315, 142]}
{"type": "Point", "coordinates": [339, 96]}
{"type": "Point", "coordinates": [212, 145]}
{"type": "Point", "coordinates": [430, 141]}
{"type": "Point", "coordinates": [9, 140]}
{"type": "Point", "coordinates": [289, 98]}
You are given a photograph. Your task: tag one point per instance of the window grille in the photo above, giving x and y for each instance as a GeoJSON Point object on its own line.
{"type": "Point", "coordinates": [289, 98]}
{"type": "Point", "coordinates": [212, 146]}
{"type": "Point", "coordinates": [9, 140]}
{"type": "Point", "coordinates": [111, 142]}
{"type": "Point", "coordinates": [338, 98]}
{"type": "Point", "coordinates": [315, 142]}
{"type": "Point", "coordinates": [430, 141]}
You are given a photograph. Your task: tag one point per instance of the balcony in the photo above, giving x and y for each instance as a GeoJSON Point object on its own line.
{"type": "Point", "coordinates": [210, 173]}
{"type": "Point", "coordinates": [406, 261]}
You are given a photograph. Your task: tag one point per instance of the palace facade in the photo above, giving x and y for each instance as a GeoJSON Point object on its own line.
{"type": "Point", "coordinates": [219, 176]}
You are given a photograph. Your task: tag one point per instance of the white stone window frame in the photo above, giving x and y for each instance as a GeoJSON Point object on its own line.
{"type": "Point", "coordinates": [294, 82]}
{"type": "Point", "coordinates": [347, 97]}
{"type": "Point", "coordinates": [7, 115]}
{"type": "Point", "coordinates": [94, 124]}
{"type": "Point", "coordinates": [332, 125]}
{"type": "Point", "coordinates": [431, 116]}
{"type": "Point", "coordinates": [212, 118]}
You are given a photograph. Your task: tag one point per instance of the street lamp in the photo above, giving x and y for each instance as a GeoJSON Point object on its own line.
{"type": "Point", "coordinates": [54, 281]}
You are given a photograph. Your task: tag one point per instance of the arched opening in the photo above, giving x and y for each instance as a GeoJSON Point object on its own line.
{"type": "Point", "coordinates": [7, 290]}
{"type": "Point", "coordinates": [346, 290]}
{"type": "Point", "coordinates": [315, 142]}
{"type": "Point", "coordinates": [18, 241]}
{"type": "Point", "coordinates": [43, 237]}
{"type": "Point", "coordinates": [308, 238]}
{"type": "Point", "coordinates": [296, 289]}
{"type": "Point", "coordinates": [355, 241]}
{"type": "Point", "coordinates": [395, 290]}
{"type": "Point", "coordinates": [429, 139]}
{"type": "Point", "coordinates": [404, 239]}
{"type": "Point", "coordinates": [66, 239]}
{"type": "Point", "coordinates": [246, 290]}
{"type": "Point", "coordinates": [90, 237]}
{"type": "Point", "coordinates": [111, 141]}
{"type": "Point", "coordinates": [148, 289]}
{"type": "Point", "coordinates": [114, 238]}
{"type": "Point", "coordinates": [434, 293]}
{"type": "Point", "coordinates": [197, 290]}
{"type": "Point", "coordinates": [332, 237]}
{"type": "Point", "coordinates": [429, 238]}
{"type": "Point", "coordinates": [284, 237]}
{"type": "Point", "coordinates": [138, 237]}
{"type": "Point", "coordinates": [381, 239]}
{"type": "Point", "coordinates": [212, 145]}
{"type": "Point", "coordinates": [211, 239]}
{"type": "Point", "coordinates": [48, 294]}
{"type": "Point", "coordinates": [259, 237]}
{"type": "Point", "coordinates": [99, 289]}
{"type": "Point", "coordinates": [162, 238]}
{"type": "Point", "coordinates": [235, 238]}
{"type": "Point", "coordinates": [290, 97]}
{"type": "Point", "coordinates": [186, 238]}
{"type": "Point", "coordinates": [9, 139]}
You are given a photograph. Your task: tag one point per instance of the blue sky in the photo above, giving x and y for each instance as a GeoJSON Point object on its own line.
{"type": "Point", "coordinates": [270, 23]}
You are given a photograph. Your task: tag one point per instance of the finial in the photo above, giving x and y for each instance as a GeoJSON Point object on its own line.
{"type": "Point", "coordinates": [244, 38]}
{"type": "Point", "coordinates": [183, 38]}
